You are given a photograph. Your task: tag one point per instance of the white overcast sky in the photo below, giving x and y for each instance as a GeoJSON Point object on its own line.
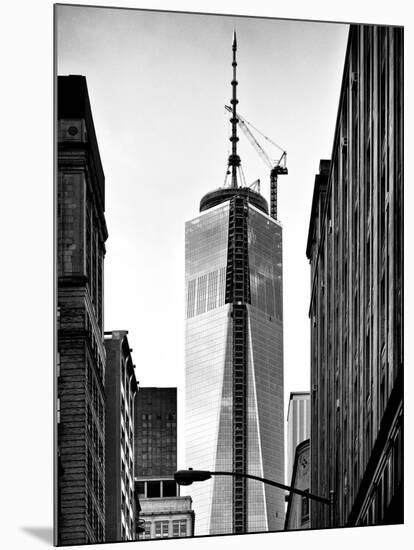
{"type": "Point", "coordinates": [158, 83]}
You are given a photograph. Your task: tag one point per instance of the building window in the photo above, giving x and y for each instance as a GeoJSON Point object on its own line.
{"type": "Point", "coordinates": [123, 473]}
{"type": "Point", "coordinates": [201, 294]}
{"type": "Point", "coordinates": [161, 529]}
{"type": "Point", "coordinates": [88, 245]}
{"type": "Point", "coordinates": [100, 453]}
{"type": "Point", "coordinates": [153, 489]}
{"type": "Point", "coordinates": [176, 528]}
{"type": "Point", "coordinates": [147, 532]}
{"type": "Point", "coordinates": [122, 372]}
{"type": "Point", "coordinates": [89, 466]}
{"type": "Point", "coordinates": [89, 509]}
{"type": "Point", "coordinates": [379, 508]}
{"type": "Point", "coordinates": [179, 528]}
{"type": "Point", "coordinates": [157, 529]}
{"type": "Point", "coordinates": [140, 488]}
{"type": "Point", "coordinates": [90, 381]}
{"type": "Point", "coordinates": [92, 280]}
{"type": "Point", "coordinates": [169, 489]}
{"type": "Point", "coordinates": [99, 289]}
{"type": "Point", "coordinates": [100, 495]}
{"type": "Point", "coordinates": [127, 392]}
{"type": "Point", "coordinates": [95, 481]}
{"type": "Point", "coordinates": [191, 298]}
{"type": "Point", "coordinates": [386, 486]}
{"type": "Point", "coordinates": [165, 529]}
{"type": "Point", "coordinates": [100, 412]}
{"type": "Point", "coordinates": [397, 460]}
{"type": "Point", "coordinates": [305, 508]}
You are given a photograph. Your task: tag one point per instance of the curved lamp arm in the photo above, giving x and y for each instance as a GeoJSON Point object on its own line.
{"type": "Point", "coordinates": [187, 477]}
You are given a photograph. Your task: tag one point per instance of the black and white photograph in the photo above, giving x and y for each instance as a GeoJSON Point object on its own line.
{"type": "Point", "coordinates": [229, 269]}
{"type": "Point", "coordinates": [204, 275]}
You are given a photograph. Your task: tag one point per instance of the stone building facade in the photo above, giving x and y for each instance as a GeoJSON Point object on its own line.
{"type": "Point", "coordinates": [355, 248]}
{"type": "Point", "coordinates": [167, 517]}
{"type": "Point", "coordinates": [81, 236]}
{"type": "Point", "coordinates": [298, 426]}
{"type": "Point", "coordinates": [298, 508]}
{"type": "Point", "coordinates": [121, 388]}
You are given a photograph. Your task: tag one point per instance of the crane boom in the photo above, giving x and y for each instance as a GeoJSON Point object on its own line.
{"type": "Point", "coordinates": [243, 126]}
{"type": "Point", "coordinates": [263, 135]}
{"type": "Point", "coordinates": [276, 167]}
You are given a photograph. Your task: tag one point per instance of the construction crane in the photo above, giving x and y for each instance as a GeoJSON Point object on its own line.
{"type": "Point", "coordinates": [277, 167]}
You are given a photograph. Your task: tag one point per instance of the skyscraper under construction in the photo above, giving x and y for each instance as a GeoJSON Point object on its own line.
{"type": "Point", "coordinates": [234, 355]}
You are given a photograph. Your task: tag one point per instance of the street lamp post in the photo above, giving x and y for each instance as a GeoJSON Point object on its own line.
{"type": "Point", "coordinates": [187, 477]}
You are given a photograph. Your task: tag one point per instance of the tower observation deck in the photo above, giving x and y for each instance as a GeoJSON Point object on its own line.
{"type": "Point", "coordinates": [218, 196]}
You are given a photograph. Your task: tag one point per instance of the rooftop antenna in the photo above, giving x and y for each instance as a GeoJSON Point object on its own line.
{"type": "Point", "coordinates": [234, 159]}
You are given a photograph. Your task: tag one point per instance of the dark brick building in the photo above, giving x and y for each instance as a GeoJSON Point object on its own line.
{"type": "Point", "coordinates": [164, 513]}
{"type": "Point", "coordinates": [156, 433]}
{"type": "Point", "coordinates": [81, 234]}
{"type": "Point", "coordinates": [121, 388]}
{"type": "Point", "coordinates": [355, 248]}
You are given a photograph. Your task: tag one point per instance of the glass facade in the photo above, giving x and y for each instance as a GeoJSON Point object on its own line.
{"type": "Point", "coordinates": [265, 376]}
{"type": "Point", "coordinates": [209, 370]}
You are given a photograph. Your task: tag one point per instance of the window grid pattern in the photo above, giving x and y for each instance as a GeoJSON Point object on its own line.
{"type": "Point", "coordinates": [179, 528]}
{"type": "Point", "coordinates": [206, 345]}
{"type": "Point", "coordinates": [356, 278]}
{"type": "Point", "coordinates": [265, 374]}
{"type": "Point", "coordinates": [265, 259]}
{"type": "Point", "coordinates": [206, 260]}
{"type": "Point", "coordinates": [209, 398]}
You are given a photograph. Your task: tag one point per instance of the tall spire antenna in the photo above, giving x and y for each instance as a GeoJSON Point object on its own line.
{"type": "Point", "coordinates": [234, 159]}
